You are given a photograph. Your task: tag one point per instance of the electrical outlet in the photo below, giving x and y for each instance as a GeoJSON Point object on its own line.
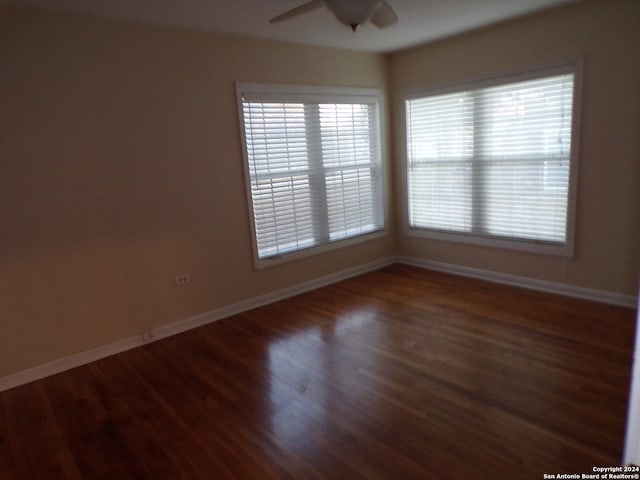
{"type": "Point", "coordinates": [183, 279]}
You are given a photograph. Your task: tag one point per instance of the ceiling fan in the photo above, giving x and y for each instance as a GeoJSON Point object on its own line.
{"type": "Point", "coordinates": [348, 12]}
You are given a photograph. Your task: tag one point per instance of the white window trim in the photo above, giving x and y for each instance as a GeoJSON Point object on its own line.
{"type": "Point", "coordinates": [312, 93]}
{"type": "Point", "coordinates": [576, 67]}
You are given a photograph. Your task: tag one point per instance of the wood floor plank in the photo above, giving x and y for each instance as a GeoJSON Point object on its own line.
{"type": "Point", "coordinates": [400, 373]}
{"type": "Point", "coordinates": [8, 469]}
{"type": "Point", "coordinates": [94, 437]}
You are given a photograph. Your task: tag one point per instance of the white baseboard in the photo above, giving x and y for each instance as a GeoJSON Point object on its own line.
{"type": "Point", "coordinates": [82, 358]}
{"type": "Point", "coordinates": [525, 282]}
{"type": "Point", "coordinates": [88, 356]}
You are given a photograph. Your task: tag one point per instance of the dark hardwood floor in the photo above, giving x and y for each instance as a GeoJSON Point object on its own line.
{"type": "Point", "coordinates": [397, 374]}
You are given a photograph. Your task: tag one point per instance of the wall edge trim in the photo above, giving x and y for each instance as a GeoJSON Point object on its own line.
{"type": "Point", "coordinates": [566, 290]}
{"type": "Point", "coordinates": [82, 358]}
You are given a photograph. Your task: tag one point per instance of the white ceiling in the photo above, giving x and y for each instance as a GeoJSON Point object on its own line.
{"type": "Point", "coordinates": [419, 21]}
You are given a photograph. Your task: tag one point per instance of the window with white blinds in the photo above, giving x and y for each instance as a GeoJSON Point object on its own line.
{"type": "Point", "coordinates": [493, 161]}
{"type": "Point", "coordinates": [313, 165]}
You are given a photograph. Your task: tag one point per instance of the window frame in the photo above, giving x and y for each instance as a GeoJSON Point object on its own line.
{"type": "Point", "coordinates": [302, 93]}
{"type": "Point", "coordinates": [575, 66]}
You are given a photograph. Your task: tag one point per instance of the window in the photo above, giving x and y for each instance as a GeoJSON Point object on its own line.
{"type": "Point", "coordinates": [313, 166]}
{"type": "Point", "coordinates": [492, 163]}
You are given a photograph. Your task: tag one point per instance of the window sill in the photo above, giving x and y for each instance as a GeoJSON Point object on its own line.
{"type": "Point", "coordinates": [530, 246]}
{"type": "Point", "coordinates": [262, 263]}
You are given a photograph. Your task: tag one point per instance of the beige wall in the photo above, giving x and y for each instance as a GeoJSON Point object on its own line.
{"type": "Point", "coordinates": [120, 167]}
{"type": "Point", "coordinates": [606, 34]}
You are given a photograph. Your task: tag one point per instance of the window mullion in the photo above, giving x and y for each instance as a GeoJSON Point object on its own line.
{"type": "Point", "coordinates": [316, 173]}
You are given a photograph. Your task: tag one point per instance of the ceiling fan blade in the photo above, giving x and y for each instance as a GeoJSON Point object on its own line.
{"type": "Point", "coordinates": [383, 16]}
{"type": "Point", "coordinates": [297, 11]}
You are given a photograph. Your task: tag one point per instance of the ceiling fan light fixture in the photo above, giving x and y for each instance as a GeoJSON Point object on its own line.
{"type": "Point", "coordinates": [353, 12]}
{"type": "Point", "coordinates": [348, 12]}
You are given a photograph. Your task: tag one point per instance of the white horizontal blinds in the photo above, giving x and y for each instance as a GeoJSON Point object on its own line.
{"type": "Point", "coordinates": [350, 160]}
{"type": "Point", "coordinates": [314, 170]}
{"type": "Point", "coordinates": [493, 161]}
{"type": "Point", "coordinates": [526, 145]}
{"type": "Point", "coordinates": [279, 170]}
{"type": "Point", "coordinates": [440, 151]}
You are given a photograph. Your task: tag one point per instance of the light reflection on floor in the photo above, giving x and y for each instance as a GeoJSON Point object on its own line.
{"type": "Point", "coordinates": [303, 365]}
